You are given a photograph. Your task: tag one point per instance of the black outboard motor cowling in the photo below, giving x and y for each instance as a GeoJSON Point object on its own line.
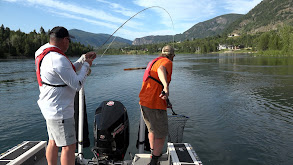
{"type": "Point", "coordinates": [111, 131]}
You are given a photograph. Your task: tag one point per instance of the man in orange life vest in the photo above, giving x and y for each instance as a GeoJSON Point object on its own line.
{"type": "Point", "coordinates": [153, 96]}
{"type": "Point", "coordinates": [58, 83]}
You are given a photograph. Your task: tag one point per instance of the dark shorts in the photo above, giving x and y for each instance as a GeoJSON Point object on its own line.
{"type": "Point", "coordinates": [156, 121]}
{"type": "Point", "coordinates": [62, 131]}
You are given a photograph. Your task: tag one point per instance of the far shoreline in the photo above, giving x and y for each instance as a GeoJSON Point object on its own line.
{"type": "Point", "coordinates": [255, 53]}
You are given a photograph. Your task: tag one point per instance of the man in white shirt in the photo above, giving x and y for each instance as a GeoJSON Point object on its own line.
{"type": "Point", "coordinates": [58, 83]}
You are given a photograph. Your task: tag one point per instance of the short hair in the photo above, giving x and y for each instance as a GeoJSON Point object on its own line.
{"type": "Point", "coordinates": [59, 32]}
{"type": "Point", "coordinates": [167, 51]}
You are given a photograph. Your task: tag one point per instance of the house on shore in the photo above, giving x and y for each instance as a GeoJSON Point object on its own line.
{"type": "Point", "coordinates": [230, 47]}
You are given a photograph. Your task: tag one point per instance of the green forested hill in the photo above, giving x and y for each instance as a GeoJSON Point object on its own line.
{"type": "Point", "coordinates": [267, 15]}
{"type": "Point", "coordinates": [211, 27]}
{"type": "Point", "coordinates": [204, 29]}
{"type": "Point", "coordinates": [267, 29]}
{"type": "Point", "coordinates": [17, 44]}
{"type": "Point", "coordinates": [96, 40]}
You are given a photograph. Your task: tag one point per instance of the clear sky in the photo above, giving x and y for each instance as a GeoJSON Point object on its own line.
{"type": "Point", "coordinates": [105, 16]}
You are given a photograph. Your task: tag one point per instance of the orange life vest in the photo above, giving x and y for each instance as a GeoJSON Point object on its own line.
{"type": "Point", "coordinates": [148, 69]}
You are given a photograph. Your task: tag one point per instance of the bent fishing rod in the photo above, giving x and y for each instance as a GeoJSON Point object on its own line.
{"type": "Point", "coordinates": [129, 20]}
{"type": "Point", "coordinates": [168, 101]}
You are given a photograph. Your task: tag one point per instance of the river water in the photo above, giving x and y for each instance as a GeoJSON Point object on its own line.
{"type": "Point", "coordinates": [240, 106]}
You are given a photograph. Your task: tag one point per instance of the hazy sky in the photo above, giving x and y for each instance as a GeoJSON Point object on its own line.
{"type": "Point", "coordinates": [105, 16]}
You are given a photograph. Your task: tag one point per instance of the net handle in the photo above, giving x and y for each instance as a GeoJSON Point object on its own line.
{"type": "Point", "coordinates": [169, 105]}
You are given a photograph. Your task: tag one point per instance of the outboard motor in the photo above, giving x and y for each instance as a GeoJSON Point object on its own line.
{"type": "Point", "coordinates": [111, 131]}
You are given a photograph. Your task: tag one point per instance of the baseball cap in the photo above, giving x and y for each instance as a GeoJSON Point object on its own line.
{"type": "Point", "coordinates": [168, 50]}
{"type": "Point", "coordinates": [60, 32]}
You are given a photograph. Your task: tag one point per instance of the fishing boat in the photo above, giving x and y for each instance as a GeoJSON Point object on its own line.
{"type": "Point", "coordinates": [111, 134]}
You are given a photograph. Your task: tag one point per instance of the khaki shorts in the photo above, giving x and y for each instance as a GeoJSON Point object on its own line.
{"type": "Point", "coordinates": [62, 131]}
{"type": "Point", "coordinates": [156, 121]}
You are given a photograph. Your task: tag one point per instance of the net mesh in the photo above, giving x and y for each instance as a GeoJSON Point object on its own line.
{"type": "Point", "coordinates": [176, 124]}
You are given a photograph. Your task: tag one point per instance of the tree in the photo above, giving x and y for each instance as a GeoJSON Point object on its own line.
{"type": "Point", "coordinates": [17, 43]}
{"type": "Point", "coordinates": [42, 31]}
{"type": "Point", "coordinates": [274, 42]}
{"type": "Point", "coordinates": [285, 38]}
{"type": "Point", "coordinates": [263, 42]}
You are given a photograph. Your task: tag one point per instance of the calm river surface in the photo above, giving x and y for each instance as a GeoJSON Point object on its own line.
{"type": "Point", "coordinates": [240, 106]}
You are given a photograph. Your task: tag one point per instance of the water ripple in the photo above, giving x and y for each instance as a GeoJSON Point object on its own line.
{"type": "Point", "coordinates": [239, 107]}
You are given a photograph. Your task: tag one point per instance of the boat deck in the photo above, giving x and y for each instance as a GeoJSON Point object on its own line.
{"type": "Point", "coordinates": [33, 153]}
{"type": "Point", "coordinates": [139, 159]}
{"type": "Point", "coordinates": [143, 159]}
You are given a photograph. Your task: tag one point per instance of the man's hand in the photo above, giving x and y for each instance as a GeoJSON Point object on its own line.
{"type": "Point", "coordinates": [169, 105]}
{"type": "Point", "coordinates": [89, 61]}
{"type": "Point", "coordinates": [89, 57]}
{"type": "Point", "coordinates": [164, 95]}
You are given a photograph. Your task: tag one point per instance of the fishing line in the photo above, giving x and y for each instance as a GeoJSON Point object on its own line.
{"type": "Point", "coordinates": [108, 46]}
{"type": "Point", "coordinates": [129, 20]}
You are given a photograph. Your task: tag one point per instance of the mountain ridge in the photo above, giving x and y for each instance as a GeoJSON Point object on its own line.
{"type": "Point", "coordinates": [266, 16]}
{"type": "Point", "coordinates": [212, 27]}
{"type": "Point", "coordinates": [96, 39]}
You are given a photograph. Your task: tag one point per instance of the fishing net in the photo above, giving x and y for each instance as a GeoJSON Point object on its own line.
{"type": "Point", "coordinates": [176, 124]}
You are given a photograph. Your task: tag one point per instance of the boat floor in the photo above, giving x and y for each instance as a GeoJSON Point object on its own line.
{"type": "Point", "coordinates": [139, 159]}
{"type": "Point", "coordinates": [31, 152]}
{"type": "Point", "coordinates": [43, 161]}
{"type": "Point", "coordinates": [143, 159]}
